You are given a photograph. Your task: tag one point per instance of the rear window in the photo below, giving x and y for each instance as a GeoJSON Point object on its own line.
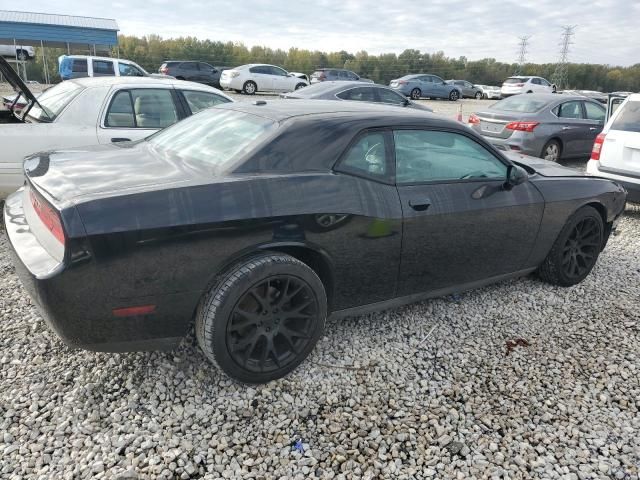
{"type": "Point", "coordinates": [520, 103]}
{"type": "Point", "coordinates": [516, 80]}
{"type": "Point", "coordinates": [54, 100]}
{"type": "Point", "coordinates": [213, 139]}
{"type": "Point", "coordinates": [628, 118]}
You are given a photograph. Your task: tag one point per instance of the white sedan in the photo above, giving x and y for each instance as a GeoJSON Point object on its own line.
{"type": "Point", "coordinates": [91, 111]}
{"type": "Point", "coordinates": [254, 78]}
{"type": "Point", "coordinates": [526, 84]}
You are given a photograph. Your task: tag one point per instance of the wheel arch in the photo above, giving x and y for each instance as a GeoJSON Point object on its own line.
{"type": "Point", "coordinates": [557, 139]}
{"type": "Point", "coordinates": [314, 257]}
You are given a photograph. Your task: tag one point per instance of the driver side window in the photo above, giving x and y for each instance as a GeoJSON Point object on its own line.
{"type": "Point", "coordinates": [367, 157]}
{"type": "Point", "coordinates": [434, 156]}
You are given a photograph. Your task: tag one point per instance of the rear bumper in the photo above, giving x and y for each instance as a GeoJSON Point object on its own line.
{"type": "Point", "coordinates": [518, 142]}
{"type": "Point", "coordinates": [631, 185]}
{"type": "Point", "coordinates": [77, 299]}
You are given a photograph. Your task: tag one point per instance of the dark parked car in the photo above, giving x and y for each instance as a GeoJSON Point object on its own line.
{"type": "Point", "coordinates": [262, 219]}
{"type": "Point", "coordinates": [542, 124]}
{"type": "Point", "coordinates": [355, 91]}
{"type": "Point", "coordinates": [193, 71]}
{"type": "Point", "coordinates": [468, 89]}
{"type": "Point", "coordinates": [336, 75]}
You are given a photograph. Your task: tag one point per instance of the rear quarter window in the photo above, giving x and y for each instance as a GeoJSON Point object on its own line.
{"type": "Point", "coordinates": [628, 118]}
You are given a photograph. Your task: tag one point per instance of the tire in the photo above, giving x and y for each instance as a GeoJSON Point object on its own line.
{"type": "Point", "coordinates": [479, 95]}
{"type": "Point", "coordinates": [552, 151]}
{"type": "Point", "coordinates": [415, 94]}
{"type": "Point", "coordinates": [454, 95]}
{"type": "Point", "coordinates": [237, 91]}
{"type": "Point", "coordinates": [559, 266]}
{"type": "Point", "coordinates": [250, 87]}
{"type": "Point", "coordinates": [242, 323]}
{"type": "Point", "coordinates": [22, 55]}
{"type": "Point", "coordinates": [300, 85]}
{"type": "Point", "coordinates": [530, 91]}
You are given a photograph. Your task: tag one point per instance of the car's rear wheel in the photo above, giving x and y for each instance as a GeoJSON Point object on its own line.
{"type": "Point", "coordinates": [22, 55]}
{"type": "Point", "coordinates": [552, 151]}
{"type": "Point", "coordinates": [415, 94]}
{"type": "Point", "coordinates": [576, 249]}
{"type": "Point", "coordinates": [300, 85]}
{"type": "Point", "coordinates": [478, 95]}
{"type": "Point", "coordinates": [454, 95]}
{"type": "Point", "coordinates": [249, 87]}
{"type": "Point", "coordinates": [262, 318]}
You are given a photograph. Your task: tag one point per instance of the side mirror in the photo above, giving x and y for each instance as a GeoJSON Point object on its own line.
{"type": "Point", "coordinates": [515, 176]}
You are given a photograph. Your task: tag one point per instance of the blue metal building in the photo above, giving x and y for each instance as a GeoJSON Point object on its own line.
{"type": "Point", "coordinates": [43, 29]}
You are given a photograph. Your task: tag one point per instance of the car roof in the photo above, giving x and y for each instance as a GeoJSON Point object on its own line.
{"type": "Point", "coordinates": [332, 85]}
{"type": "Point", "coordinates": [94, 57]}
{"type": "Point", "coordinates": [280, 110]}
{"type": "Point", "coordinates": [88, 82]}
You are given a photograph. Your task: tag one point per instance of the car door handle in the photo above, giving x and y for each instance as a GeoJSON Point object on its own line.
{"type": "Point", "coordinates": [120, 139]}
{"type": "Point", "coordinates": [593, 129]}
{"type": "Point", "coordinates": [420, 204]}
{"type": "Point", "coordinates": [566, 128]}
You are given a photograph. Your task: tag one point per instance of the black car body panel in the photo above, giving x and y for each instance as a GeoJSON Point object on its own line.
{"type": "Point", "coordinates": [193, 71]}
{"type": "Point", "coordinates": [159, 232]}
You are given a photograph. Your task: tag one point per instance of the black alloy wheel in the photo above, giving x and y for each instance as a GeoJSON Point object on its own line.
{"type": "Point", "coordinates": [581, 249]}
{"type": "Point", "coordinates": [271, 323]}
{"type": "Point", "coordinates": [415, 94]}
{"type": "Point", "coordinates": [262, 317]}
{"type": "Point", "coordinates": [576, 250]}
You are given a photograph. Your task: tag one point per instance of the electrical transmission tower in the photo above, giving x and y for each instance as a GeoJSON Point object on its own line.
{"type": "Point", "coordinates": [561, 75]}
{"type": "Point", "coordinates": [522, 53]}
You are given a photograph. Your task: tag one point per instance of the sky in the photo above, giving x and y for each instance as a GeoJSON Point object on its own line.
{"type": "Point", "coordinates": [606, 30]}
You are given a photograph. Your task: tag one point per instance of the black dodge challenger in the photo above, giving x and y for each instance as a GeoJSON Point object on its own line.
{"type": "Point", "coordinates": [260, 220]}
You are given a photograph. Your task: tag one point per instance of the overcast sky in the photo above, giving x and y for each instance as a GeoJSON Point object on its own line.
{"type": "Point", "coordinates": [606, 32]}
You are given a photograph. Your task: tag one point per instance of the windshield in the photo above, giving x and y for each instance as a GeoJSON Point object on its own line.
{"type": "Point", "coordinates": [52, 101]}
{"type": "Point", "coordinates": [520, 103]}
{"type": "Point", "coordinates": [516, 80]}
{"type": "Point", "coordinates": [213, 139]}
{"type": "Point", "coordinates": [628, 119]}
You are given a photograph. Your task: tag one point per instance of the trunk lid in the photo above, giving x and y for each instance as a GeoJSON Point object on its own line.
{"type": "Point", "coordinates": [492, 123]}
{"type": "Point", "coordinates": [67, 175]}
{"type": "Point", "coordinates": [19, 87]}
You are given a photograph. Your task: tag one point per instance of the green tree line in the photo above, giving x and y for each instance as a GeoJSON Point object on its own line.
{"type": "Point", "coordinates": [150, 51]}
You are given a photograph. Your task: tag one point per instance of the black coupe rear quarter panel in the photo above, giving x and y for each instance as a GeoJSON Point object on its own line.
{"type": "Point", "coordinates": [204, 229]}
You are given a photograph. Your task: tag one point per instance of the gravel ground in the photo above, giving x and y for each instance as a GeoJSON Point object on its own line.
{"type": "Point", "coordinates": [517, 380]}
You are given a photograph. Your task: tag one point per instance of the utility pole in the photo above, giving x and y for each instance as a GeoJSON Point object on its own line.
{"type": "Point", "coordinates": [561, 75]}
{"type": "Point", "coordinates": [522, 53]}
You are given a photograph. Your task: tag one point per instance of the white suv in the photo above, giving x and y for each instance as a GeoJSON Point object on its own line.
{"type": "Point", "coordinates": [616, 151]}
{"type": "Point", "coordinates": [21, 52]}
{"type": "Point", "coordinates": [254, 78]}
{"type": "Point", "coordinates": [526, 84]}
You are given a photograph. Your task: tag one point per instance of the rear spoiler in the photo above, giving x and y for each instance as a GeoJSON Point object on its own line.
{"type": "Point", "coordinates": [20, 88]}
{"type": "Point", "coordinates": [614, 100]}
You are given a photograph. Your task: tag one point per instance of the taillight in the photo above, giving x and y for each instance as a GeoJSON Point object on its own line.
{"type": "Point", "coordinates": [234, 74]}
{"type": "Point", "coordinates": [473, 119]}
{"type": "Point", "coordinates": [597, 147]}
{"type": "Point", "coordinates": [47, 215]}
{"type": "Point", "coordinates": [322, 76]}
{"type": "Point", "coordinates": [522, 126]}
{"type": "Point", "coordinates": [402, 82]}
{"type": "Point", "coordinates": [164, 70]}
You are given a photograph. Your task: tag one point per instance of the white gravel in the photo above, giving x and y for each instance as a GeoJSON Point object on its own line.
{"type": "Point", "coordinates": [369, 403]}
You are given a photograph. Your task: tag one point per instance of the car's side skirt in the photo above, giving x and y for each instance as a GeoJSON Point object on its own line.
{"type": "Point", "coordinates": [417, 297]}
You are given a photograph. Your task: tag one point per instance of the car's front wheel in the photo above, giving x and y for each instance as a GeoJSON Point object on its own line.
{"type": "Point", "coordinates": [576, 249]}
{"type": "Point", "coordinates": [250, 87]}
{"type": "Point", "coordinates": [454, 95]}
{"type": "Point", "coordinates": [415, 94]}
{"type": "Point", "coordinates": [262, 317]}
{"type": "Point", "coordinates": [22, 55]}
{"type": "Point", "coordinates": [479, 95]}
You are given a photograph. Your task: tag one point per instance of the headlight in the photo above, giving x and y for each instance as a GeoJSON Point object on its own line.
{"type": "Point", "coordinates": [235, 74]}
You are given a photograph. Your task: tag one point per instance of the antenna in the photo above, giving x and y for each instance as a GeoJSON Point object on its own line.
{"type": "Point", "coordinates": [561, 75]}
{"type": "Point", "coordinates": [522, 53]}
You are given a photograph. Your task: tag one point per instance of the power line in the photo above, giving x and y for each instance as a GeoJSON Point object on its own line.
{"type": "Point", "coordinates": [522, 53]}
{"type": "Point", "coordinates": [561, 75]}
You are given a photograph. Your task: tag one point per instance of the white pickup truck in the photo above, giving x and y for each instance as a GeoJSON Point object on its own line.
{"type": "Point", "coordinates": [21, 52]}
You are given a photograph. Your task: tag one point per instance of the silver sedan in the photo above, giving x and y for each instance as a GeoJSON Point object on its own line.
{"type": "Point", "coordinates": [549, 126]}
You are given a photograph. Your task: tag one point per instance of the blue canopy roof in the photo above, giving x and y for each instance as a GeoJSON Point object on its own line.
{"type": "Point", "coordinates": [30, 28]}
